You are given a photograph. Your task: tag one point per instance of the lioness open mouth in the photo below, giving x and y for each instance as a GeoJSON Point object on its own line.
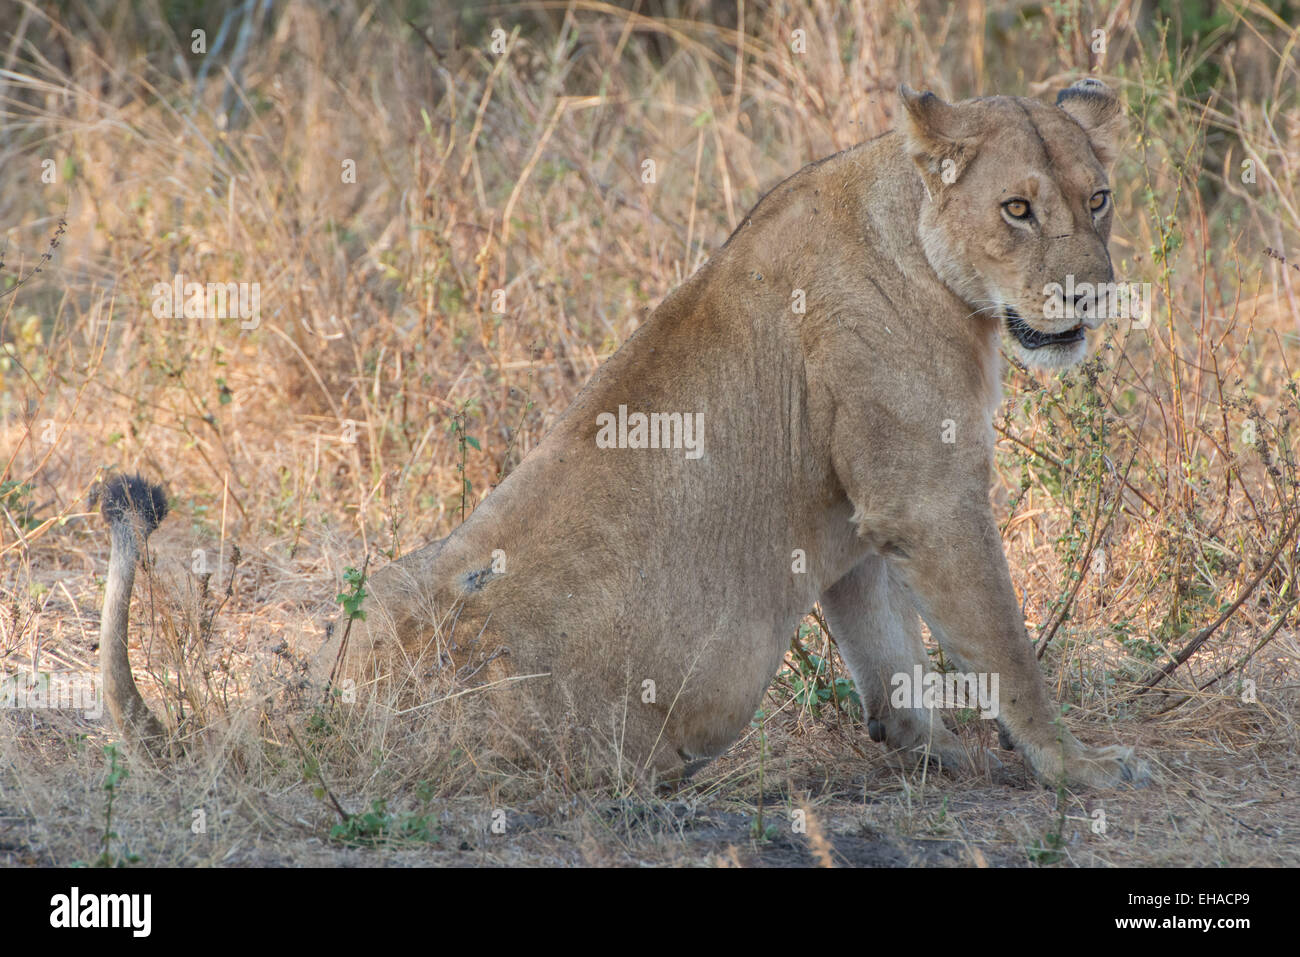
{"type": "Point", "coordinates": [1031, 338]}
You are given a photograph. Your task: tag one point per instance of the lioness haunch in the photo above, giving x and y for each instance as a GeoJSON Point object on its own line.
{"type": "Point", "coordinates": [841, 349]}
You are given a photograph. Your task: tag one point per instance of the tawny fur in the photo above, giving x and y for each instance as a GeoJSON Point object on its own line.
{"type": "Point", "coordinates": [823, 432]}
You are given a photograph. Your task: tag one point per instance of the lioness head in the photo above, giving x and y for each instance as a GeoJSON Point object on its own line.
{"type": "Point", "coordinates": [1019, 208]}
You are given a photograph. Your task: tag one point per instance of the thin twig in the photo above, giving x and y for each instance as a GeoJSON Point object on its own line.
{"type": "Point", "coordinates": [1210, 629]}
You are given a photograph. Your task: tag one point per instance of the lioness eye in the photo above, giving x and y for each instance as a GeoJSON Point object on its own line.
{"type": "Point", "coordinates": [1098, 201]}
{"type": "Point", "coordinates": [1017, 208]}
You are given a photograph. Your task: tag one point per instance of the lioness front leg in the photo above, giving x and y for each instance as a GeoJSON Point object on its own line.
{"type": "Point", "coordinates": [878, 635]}
{"type": "Point", "coordinates": [957, 573]}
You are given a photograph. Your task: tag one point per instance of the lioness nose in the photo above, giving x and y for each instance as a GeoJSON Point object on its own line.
{"type": "Point", "coordinates": [1083, 303]}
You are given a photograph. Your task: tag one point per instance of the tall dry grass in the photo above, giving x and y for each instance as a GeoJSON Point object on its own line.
{"type": "Point", "coordinates": [497, 241]}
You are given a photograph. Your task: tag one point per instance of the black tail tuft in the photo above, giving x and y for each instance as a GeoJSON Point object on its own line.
{"type": "Point", "coordinates": [123, 498]}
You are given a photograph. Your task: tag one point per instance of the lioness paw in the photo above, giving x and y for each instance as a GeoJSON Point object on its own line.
{"type": "Point", "coordinates": [913, 743]}
{"type": "Point", "coordinates": [1109, 767]}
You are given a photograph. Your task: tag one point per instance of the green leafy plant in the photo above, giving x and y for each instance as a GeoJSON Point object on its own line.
{"type": "Point", "coordinates": [116, 775]}
{"type": "Point", "coordinates": [463, 443]}
{"type": "Point", "coordinates": [15, 500]}
{"type": "Point", "coordinates": [812, 680]}
{"type": "Point", "coordinates": [379, 827]}
{"type": "Point", "coordinates": [354, 595]}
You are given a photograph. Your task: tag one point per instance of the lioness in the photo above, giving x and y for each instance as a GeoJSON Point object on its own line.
{"type": "Point", "coordinates": [821, 392]}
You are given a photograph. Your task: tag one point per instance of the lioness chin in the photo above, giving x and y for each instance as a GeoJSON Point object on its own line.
{"type": "Point", "coordinates": [821, 392]}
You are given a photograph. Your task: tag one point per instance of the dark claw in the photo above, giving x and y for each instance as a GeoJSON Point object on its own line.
{"type": "Point", "coordinates": [876, 729]}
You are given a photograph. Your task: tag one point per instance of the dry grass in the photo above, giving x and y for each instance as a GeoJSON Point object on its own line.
{"type": "Point", "coordinates": [497, 243]}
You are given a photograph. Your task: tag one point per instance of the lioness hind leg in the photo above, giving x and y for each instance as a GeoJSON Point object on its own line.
{"type": "Point", "coordinates": [878, 635]}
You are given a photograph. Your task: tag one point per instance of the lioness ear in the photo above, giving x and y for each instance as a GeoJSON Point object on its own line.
{"type": "Point", "coordinates": [1095, 107]}
{"type": "Point", "coordinates": [933, 136]}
